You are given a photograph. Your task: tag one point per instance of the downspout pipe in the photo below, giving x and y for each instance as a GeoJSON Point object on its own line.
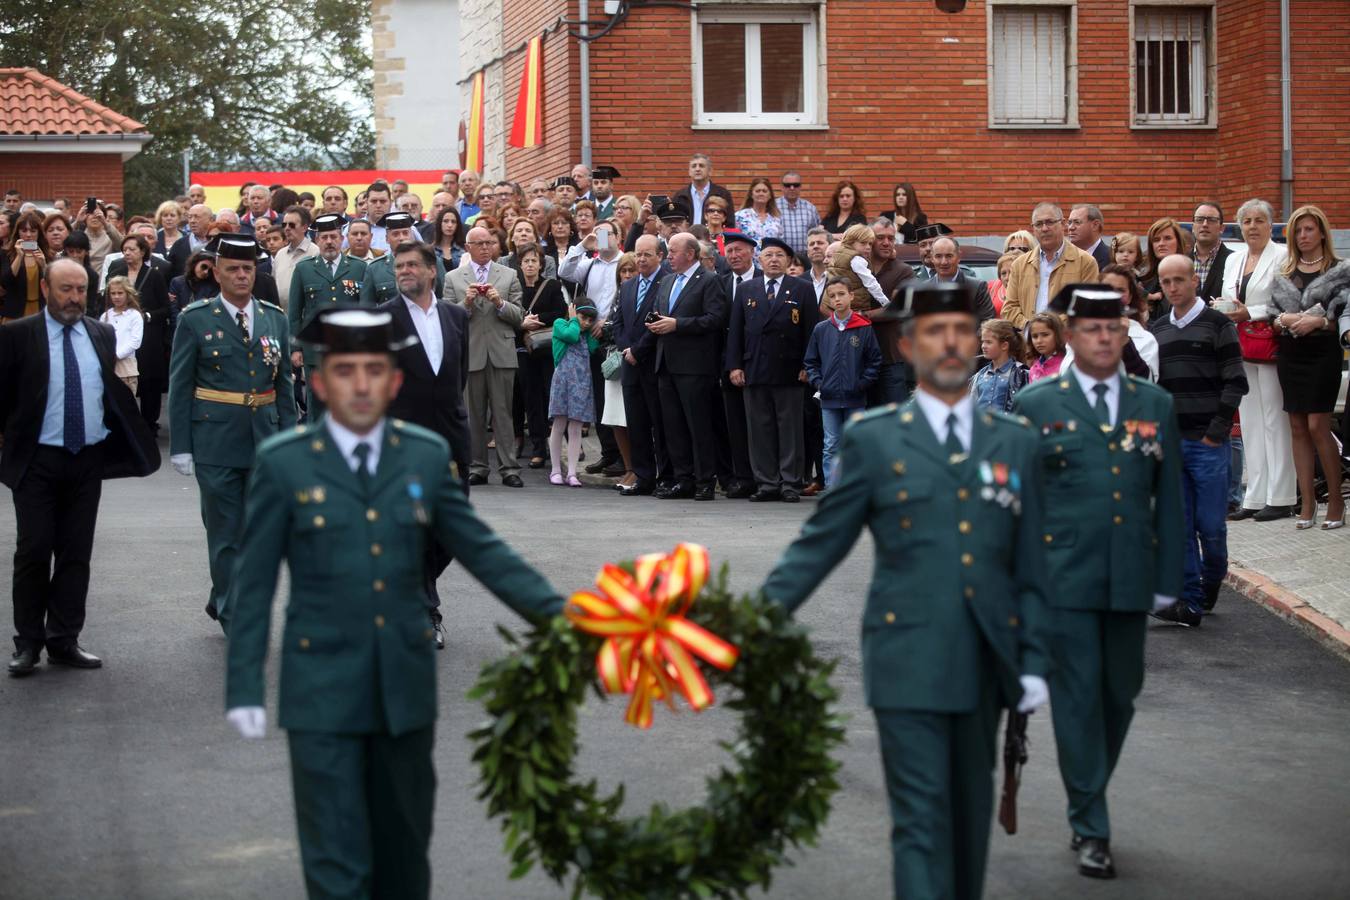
{"type": "Point", "coordinates": [584, 69]}
{"type": "Point", "coordinates": [1286, 117]}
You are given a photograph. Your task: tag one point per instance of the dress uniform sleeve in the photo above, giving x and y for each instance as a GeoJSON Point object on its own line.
{"type": "Point", "coordinates": [182, 380]}
{"type": "Point", "coordinates": [1030, 569]}
{"type": "Point", "coordinates": [1169, 514]}
{"type": "Point", "coordinates": [266, 526]}
{"type": "Point", "coordinates": [284, 383]}
{"type": "Point", "coordinates": [295, 302]}
{"type": "Point", "coordinates": [829, 534]}
{"type": "Point", "coordinates": [489, 558]}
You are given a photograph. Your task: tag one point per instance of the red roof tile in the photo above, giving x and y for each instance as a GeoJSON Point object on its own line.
{"type": "Point", "coordinates": [32, 103]}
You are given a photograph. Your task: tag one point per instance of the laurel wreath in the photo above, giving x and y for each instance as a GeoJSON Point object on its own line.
{"type": "Point", "coordinates": [774, 795]}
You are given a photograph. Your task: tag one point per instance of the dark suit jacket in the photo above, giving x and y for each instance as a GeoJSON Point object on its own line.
{"type": "Point", "coordinates": [1213, 285]}
{"type": "Point", "coordinates": [130, 448]}
{"type": "Point", "coordinates": [435, 400]}
{"type": "Point", "coordinates": [630, 328]}
{"type": "Point", "coordinates": [715, 190]}
{"type": "Point", "coordinates": [152, 359]}
{"type": "Point", "coordinates": [984, 304]}
{"type": "Point", "coordinates": [768, 339]}
{"type": "Point", "coordinates": [694, 347]}
{"type": "Point", "coordinates": [1102, 254]}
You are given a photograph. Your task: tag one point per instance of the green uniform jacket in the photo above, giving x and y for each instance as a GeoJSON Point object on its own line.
{"type": "Point", "coordinates": [209, 352]}
{"type": "Point", "coordinates": [953, 560]}
{"type": "Point", "coordinates": [358, 654]}
{"type": "Point", "coordinates": [1114, 518]}
{"type": "Point", "coordinates": [315, 287]}
{"type": "Point", "coordinates": [380, 284]}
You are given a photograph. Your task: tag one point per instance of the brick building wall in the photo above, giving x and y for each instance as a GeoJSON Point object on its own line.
{"type": "Point", "coordinates": [907, 101]}
{"type": "Point", "coordinates": [46, 176]}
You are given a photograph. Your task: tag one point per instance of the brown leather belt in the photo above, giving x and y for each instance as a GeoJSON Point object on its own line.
{"type": "Point", "coordinates": [235, 398]}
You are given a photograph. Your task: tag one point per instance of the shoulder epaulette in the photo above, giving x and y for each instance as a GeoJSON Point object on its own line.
{"type": "Point", "coordinates": [270, 305]}
{"type": "Point", "coordinates": [1009, 418]}
{"type": "Point", "coordinates": [198, 304]}
{"type": "Point", "coordinates": [877, 412]}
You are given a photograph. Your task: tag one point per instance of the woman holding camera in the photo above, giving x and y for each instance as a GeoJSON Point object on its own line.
{"type": "Point", "coordinates": [21, 272]}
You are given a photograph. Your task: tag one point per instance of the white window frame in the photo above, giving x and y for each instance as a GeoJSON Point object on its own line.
{"type": "Point", "coordinates": [1070, 66]}
{"type": "Point", "coordinates": [752, 14]}
{"type": "Point", "coordinates": [1210, 93]}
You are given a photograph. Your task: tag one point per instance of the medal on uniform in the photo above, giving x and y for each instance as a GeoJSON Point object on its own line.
{"type": "Point", "coordinates": [207, 335]}
{"type": "Point", "coordinates": [796, 316]}
{"type": "Point", "coordinates": [415, 494]}
{"type": "Point", "coordinates": [220, 335]}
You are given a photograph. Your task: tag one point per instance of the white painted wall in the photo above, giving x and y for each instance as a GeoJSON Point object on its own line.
{"type": "Point", "coordinates": [417, 103]}
{"type": "Point", "coordinates": [481, 41]}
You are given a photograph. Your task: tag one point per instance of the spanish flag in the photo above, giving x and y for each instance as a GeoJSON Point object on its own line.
{"type": "Point", "coordinates": [526, 129]}
{"type": "Point", "coordinates": [473, 144]}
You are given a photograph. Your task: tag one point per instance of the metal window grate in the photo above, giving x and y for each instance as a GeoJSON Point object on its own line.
{"type": "Point", "coordinates": [1171, 66]}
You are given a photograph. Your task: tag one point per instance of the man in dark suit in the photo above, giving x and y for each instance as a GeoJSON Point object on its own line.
{"type": "Point", "coordinates": [700, 188]}
{"type": "Point", "coordinates": [1209, 253]}
{"type": "Point", "coordinates": [73, 425]}
{"type": "Point", "coordinates": [690, 306]}
{"type": "Point", "coordinates": [435, 370]}
{"type": "Point", "coordinates": [1084, 228]}
{"type": "Point", "coordinates": [771, 322]}
{"type": "Point", "coordinates": [733, 441]}
{"type": "Point", "coordinates": [641, 397]}
{"type": "Point", "coordinates": [946, 256]}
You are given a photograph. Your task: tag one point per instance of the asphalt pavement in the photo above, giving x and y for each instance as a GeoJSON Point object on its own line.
{"type": "Point", "coordinates": [126, 782]}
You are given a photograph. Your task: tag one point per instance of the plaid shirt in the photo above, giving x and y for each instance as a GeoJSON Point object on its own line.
{"type": "Point", "coordinates": [797, 221]}
{"type": "Point", "coordinates": [1202, 265]}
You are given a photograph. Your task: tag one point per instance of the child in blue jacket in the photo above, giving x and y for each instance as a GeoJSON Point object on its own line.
{"type": "Point", "coordinates": [842, 360]}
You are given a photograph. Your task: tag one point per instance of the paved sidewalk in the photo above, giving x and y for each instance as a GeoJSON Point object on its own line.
{"type": "Point", "coordinates": [1301, 575]}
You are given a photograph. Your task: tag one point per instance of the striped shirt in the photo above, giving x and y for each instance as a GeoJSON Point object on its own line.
{"type": "Point", "coordinates": [798, 219]}
{"type": "Point", "coordinates": [1200, 365]}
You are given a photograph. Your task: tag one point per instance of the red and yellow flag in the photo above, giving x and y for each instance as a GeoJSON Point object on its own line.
{"type": "Point", "coordinates": [527, 128]}
{"type": "Point", "coordinates": [473, 142]}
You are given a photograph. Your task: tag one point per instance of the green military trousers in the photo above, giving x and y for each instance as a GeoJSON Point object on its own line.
{"type": "Point", "coordinates": [222, 490]}
{"type": "Point", "coordinates": [939, 770]}
{"type": "Point", "coordinates": [1099, 670]}
{"type": "Point", "coordinates": [363, 809]}
{"type": "Point", "coordinates": [314, 407]}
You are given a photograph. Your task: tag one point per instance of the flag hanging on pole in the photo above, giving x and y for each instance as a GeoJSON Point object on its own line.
{"type": "Point", "coordinates": [526, 129]}
{"type": "Point", "coordinates": [473, 151]}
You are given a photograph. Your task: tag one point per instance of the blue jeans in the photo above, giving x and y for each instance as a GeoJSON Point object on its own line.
{"type": "Point", "coordinates": [833, 421]}
{"type": "Point", "coordinates": [1204, 483]}
{"type": "Point", "coordinates": [1235, 474]}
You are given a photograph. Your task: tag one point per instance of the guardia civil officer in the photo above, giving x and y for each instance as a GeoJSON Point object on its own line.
{"type": "Point", "coordinates": [321, 282]}
{"type": "Point", "coordinates": [1111, 455]}
{"type": "Point", "coordinates": [952, 623]}
{"type": "Point", "coordinates": [229, 389]}
{"type": "Point", "coordinates": [380, 284]}
{"type": "Point", "coordinates": [348, 502]}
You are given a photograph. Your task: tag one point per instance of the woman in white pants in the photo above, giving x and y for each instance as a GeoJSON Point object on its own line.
{"type": "Point", "coordinates": [1248, 274]}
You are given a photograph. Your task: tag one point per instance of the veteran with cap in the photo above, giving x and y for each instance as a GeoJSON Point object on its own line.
{"type": "Point", "coordinates": [229, 389]}
{"type": "Point", "coordinates": [349, 503]}
{"type": "Point", "coordinates": [951, 626]}
{"type": "Point", "coordinates": [380, 284]}
{"type": "Point", "coordinates": [1111, 457]}
{"type": "Point", "coordinates": [321, 282]}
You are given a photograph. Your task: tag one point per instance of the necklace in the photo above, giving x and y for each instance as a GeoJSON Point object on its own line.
{"type": "Point", "coordinates": [1312, 262]}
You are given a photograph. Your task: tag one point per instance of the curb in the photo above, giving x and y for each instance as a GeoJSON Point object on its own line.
{"type": "Point", "coordinates": [1289, 606]}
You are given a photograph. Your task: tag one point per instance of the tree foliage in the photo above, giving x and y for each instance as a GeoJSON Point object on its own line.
{"type": "Point", "coordinates": [252, 84]}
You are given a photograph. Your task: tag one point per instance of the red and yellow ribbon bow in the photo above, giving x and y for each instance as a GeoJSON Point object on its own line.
{"type": "Point", "coordinates": [650, 646]}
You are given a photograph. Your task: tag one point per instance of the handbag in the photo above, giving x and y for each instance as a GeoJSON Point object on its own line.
{"type": "Point", "coordinates": [1257, 340]}
{"type": "Point", "coordinates": [609, 369]}
{"type": "Point", "coordinates": [542, 337]}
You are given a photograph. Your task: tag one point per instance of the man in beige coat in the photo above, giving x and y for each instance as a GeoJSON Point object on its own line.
{"type": "Point", "coordinates": [491, 294]}
{"type": "Point", "coordinates": [1039, 274]}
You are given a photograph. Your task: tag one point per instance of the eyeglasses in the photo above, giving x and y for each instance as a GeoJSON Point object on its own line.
{"type": "Point", "coordinates": [1207, 220]}
{"type": "Point", "coordinates": [792, 184]}
{"type": "Point", "coordinates": [1046, 223]}
{"type": "Point", "coordinates": [290, 224]}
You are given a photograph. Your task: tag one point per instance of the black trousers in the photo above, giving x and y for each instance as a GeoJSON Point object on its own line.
{"type": "Point", "coordinates": [813, 431]}
{"type": "Point", "coordinates": [55, 510]}
{"type": "Point", "coordinates": [686, 411]}
{"type": "Point", "coordinates": [733, 440]}
{"type": "Point", "coordinates": [647, 430]}
{"type": "Point", "coordinates": [609, 447]}
{"type": "Point", "coordinates": [538, 369]}
{"type": "Point", "coordinates": [774, 424]}
{"type": "Point", "coordinates": [151, 392]}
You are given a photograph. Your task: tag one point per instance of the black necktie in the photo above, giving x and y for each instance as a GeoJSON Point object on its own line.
{"type": "Point", "coordinates": [74, 400]}
{"type": "Point", "coordinates": [243, 324]}
{"type": "Point", "coordinates": [953, 442]}
{"type": "Point", "coordinates": [1100, 408]}
{"type": "Point", "coordinates": [772, 289]}
{"type": "Point", "coordinates": [362, 454]}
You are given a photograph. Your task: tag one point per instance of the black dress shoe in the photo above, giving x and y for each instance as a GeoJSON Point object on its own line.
{"type": "Point", "coordinates": [1211, 597]}
{"type": "Point", "coordinates": [1241, 513]}
{"type": "Point", "coordinates": [475, 478]}
{"type": "Point", "coordinates": [614, 470]}
{"type": "Point", "coordinates": [538, 462]}
{"type": "Point", "coordinates": [1094, 859]}
{"type": "Point", "coordinates": [1179, 613]}
{"type": "Point", "coordinates": [75, 656]}
{"type": "Point", "coordinates": [512, 481]}
{"type": "Point", "coordinates": [705, 493]}
{"type": "Point", "coordinates": [1271, 513]}
{"type": "Point", "coordinates": [740, 490]}
{"type": "Point", "coordinates": [211, 611]}
{"type": "Point", "coordinates": [675, 492]}
{"type": "Point", "coordinates": [791, 496]}
{"type": "Point", "coordinates": [763, 496]}
{"type": "Point", "coordinates": [440, 635]}
{"type": "Point", "coordinates": [24, 662]}
{"type": "Point", "coordinates": [600, 465]}
{"type": "Point", "coordinates": [636, 489]}
{"type": "Point", "coordinates": [1076, 842]}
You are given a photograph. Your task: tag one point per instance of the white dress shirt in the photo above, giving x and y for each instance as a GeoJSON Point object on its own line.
{"type": "Point", "coordinates": [428, 325]}
{"type": "Point", "coordinates": [596, 273]}
{"type": "Point", "coordinates": [936, 412]}
{"type": "Point", "coordinates": [234, 311]}
{"type": "Point", "coordinates": [346, 441]}
{"type": "Point", "coordinates": [1196, 308]}
{"type": "Point", "coordinates": [1046, 265]}
{"type": "Point", "coordinates": [1089, 384]}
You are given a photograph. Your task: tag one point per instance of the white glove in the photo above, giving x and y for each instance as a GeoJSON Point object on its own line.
{"type": "Point", "coordinates": [249, 721]}
{"type": "Point", "coordinates": [1162, 601]}
{"type": "Point", "coordinates": [1034, 693]}
{"type": "Point", "coordinates": [182, 463]}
